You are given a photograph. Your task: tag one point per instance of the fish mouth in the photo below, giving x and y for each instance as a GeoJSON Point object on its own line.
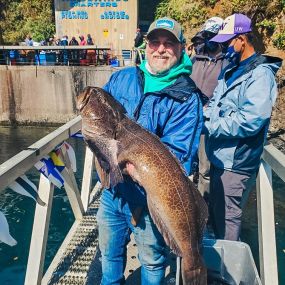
{"type": "Point", "coordinates": [83, 98]}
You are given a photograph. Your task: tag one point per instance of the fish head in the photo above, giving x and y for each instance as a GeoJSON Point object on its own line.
{"type": "Point", "coordinates": [100, 112]}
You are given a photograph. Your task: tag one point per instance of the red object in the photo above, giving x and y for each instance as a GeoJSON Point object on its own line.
{"type": "Point", "coordinates": [83, 62]}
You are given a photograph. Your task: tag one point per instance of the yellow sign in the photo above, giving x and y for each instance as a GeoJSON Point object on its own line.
{"type": "Point", "coordinates": [105, 33]}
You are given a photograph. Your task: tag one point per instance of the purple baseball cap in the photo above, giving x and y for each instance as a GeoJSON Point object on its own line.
{"type": "Point", "coordinates": [233, 25]}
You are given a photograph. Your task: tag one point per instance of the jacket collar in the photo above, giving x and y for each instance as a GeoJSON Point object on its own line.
{"type": "Point", "coordinates": [180, 90]}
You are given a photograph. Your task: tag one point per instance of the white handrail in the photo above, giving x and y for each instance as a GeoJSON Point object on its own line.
{"type": "Point", "coordinates": [272, 159]}
{"type": "Point", "coordinates": [26, 159]}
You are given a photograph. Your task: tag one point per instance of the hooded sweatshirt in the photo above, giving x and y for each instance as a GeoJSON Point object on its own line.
{"type": "Point", "coordinates": [206, 71]}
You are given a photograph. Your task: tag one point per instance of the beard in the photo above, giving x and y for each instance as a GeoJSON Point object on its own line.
{"type": "Point", "coordinates": [159, 64]}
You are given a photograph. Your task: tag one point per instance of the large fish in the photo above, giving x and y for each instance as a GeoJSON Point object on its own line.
{"type": "Point", "coordinates": [121, 145]}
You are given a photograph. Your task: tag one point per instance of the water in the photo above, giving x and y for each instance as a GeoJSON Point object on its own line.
{"type": "Point", "coordinates": [19, 211]}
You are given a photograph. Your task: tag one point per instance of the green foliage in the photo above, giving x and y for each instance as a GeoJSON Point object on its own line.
{"type": "Point", "coordinates": [27, 17]}
{"type": "Point", "coordinates": [267, 24]}
{"type": "Point", "coordinates": [279, 41]}
{"type": "Point", "coordinates": [266, 15]}
{"type": "Point", "coordinates": [192, 13]}
{"type": "Point", "coordinates": [238, 4]}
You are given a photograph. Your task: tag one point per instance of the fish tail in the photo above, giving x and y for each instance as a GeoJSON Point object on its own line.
{"type": "Point", "coordinates": [193, 276]}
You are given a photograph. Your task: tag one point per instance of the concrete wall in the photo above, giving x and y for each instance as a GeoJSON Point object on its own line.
{"type": "Point", "coordinates": [45, 94]}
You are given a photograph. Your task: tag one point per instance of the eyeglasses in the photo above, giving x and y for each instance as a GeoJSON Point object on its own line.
{"type": "Point", "coordinates": [155, 44]}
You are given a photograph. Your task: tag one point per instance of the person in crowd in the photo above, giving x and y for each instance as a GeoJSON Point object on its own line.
{"type": "Point", "coordinates": [43, 42]}
{"type": "Point", "coordinates": [160, 96]}
{"type": "Point", "coordinates": [73, 42]}
{"type": "Point", "coordinates": [58, 53]}
{"type": "Point", "coordinates": [140, 52]}
{"type": "Point", "coordinates": [64, 53]}
{"type": "Point", "coordinates": [89, 40]}
{"type": "Point", "coordinates": [74, 54]}
{"type": "Point", "coordinates": [237, 121]}
{"type": "Point", "coordinates": [82, 41]}
{"type": "Point", "coordinates": [64, 41]}
{"type": "Point", "coordinates": [30, 53]}
{"type": "Point", "coordinates": [29, 41]}
{"type": "Point", "coordinates": [82, 53]}
{"type": "Point", "coordinates": [52, 41]}
{"type": "Point", "coordinates": [57, 42]}
{"type": "Point", "coordinates": [138, 38]}
{"type": "Point", "coordinates": [91, 54]}
{"type": "Point", "coordinates": [208, 62]}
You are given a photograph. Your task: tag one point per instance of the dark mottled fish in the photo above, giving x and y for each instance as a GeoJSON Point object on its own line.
{"type": "Point", "coordinates": [176, 207]}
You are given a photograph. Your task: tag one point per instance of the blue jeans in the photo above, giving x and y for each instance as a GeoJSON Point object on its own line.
{"type": "Point", "coordinates": [114, 221]}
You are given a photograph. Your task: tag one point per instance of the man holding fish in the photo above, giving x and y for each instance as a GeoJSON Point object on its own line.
{"type": "Point", "coordinates": [160, 97]}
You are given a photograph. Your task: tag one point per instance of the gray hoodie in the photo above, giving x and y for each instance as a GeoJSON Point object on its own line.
{"type": "Point", "coordinates": [206, 71]}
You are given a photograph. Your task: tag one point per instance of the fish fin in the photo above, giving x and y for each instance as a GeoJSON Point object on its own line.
{"type": "Point", "coordinates": [104, 176]}
{"type": "Point", "coordinates": [106, 152]}
{"type": "Point", "coordinates": [203, 209]}
{"type": "Point", "coordinates": [109, 177]}
{"type": "Point", "coordinates": [116, 176]}
{"type": "Point", "coordinates": [168, 237]}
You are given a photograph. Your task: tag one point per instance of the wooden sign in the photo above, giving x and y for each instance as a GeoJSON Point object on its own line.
{"type": "Point", "coordinates": [111, 23]}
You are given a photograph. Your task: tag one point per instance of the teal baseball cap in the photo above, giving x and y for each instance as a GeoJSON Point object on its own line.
{"type": "Point", "coordinates": [169, 25]}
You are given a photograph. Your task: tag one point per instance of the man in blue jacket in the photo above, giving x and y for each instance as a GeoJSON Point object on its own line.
{"type": "Point", "coordinates": [162, 98]}
{"type": "Point", "coordinates": [237, 121]}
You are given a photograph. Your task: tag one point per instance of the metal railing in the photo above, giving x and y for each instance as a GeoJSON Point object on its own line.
{"type": "Point", "coordinates": [68, 55]}
{"type": "Point", "coordinates": [55, 55]}
{"type": "Point", "coordinates": [272, 159]}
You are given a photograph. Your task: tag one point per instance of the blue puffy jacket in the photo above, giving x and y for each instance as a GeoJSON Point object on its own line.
{"type": "Point", "coordinates": [174, 114]}
{"type": "Point", "coordinates": [238, 116]}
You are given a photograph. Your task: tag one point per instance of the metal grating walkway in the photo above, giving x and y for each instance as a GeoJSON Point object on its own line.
{"type": "Point", "coordinates": [80, 262]}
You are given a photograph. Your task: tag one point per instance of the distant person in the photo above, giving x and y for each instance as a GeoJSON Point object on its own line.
{"type": "Point", "coordinates": [57, 42]}
{"type": "Point", "coordinates": [91, 54]}
{"type": "Point", "coordinates": [237, 120]}
{"type": "Point", "coordinates": [82, 41]}
{"type": "Point", "coordinates": [208, 62]}
{"type": "Point", "coordinates": [64, 53]}
{"type": "Point", "coordinates": [43, 42]}
{"type": "Point", "coordinates": [89, 40]}
{"type": "Point", "coordinates": [73, 42]}
{"type": "Point", "coordinates": [29, 41]}
{"type": "Point", "coordinates": [30, 53]}
{"type": "Point", "coordinates": [52, 41]}
{"type": "Point", "coordinates": [82, 52]}
{"type": "Point", "coordinates": [64, 41]}
{"type": "Point", "coordinates": [74, 54]}
{"type": "Point", "coordinates": [140, 52]}
{"type": "Point", "coordinates": [138, 38]}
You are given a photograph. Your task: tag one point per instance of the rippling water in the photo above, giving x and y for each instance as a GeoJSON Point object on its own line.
{"type": "Point", "coordinates": [19, 211]}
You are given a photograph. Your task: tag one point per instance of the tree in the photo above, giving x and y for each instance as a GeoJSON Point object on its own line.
{"type": "Point", "coordinates": [20, 18]}
{"type": "Point", "coordinates": [266, 16]}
